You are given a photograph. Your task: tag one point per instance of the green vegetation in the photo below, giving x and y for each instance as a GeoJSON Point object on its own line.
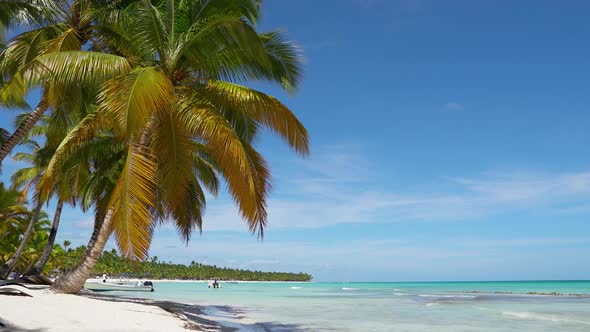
{"type": "Point", "coordinates": [14, 220]}
{"type": "Point", "coordinates": [114, 265]}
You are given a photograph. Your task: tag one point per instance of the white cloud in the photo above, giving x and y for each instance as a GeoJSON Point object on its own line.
{"type": "Point", "coordinates": [337, 188]}
{"type": "Point", "coordinates": [396, 259]}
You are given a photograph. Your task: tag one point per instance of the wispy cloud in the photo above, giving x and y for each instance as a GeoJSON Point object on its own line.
{"type": "Point", "coordinates": [396, 259]}
{"type": "Point", "coordinates": [336, 188]}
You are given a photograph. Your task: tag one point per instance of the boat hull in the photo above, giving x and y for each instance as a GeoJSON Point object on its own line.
{"type": "Point", "coordinates": [116, 287]}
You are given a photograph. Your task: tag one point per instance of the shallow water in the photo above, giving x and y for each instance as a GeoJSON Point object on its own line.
{"type": "Point", "coordinates": [439, 306]}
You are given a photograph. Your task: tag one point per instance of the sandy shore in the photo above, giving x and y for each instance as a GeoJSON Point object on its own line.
{"type": "Point", "coordinates": [50, 312]}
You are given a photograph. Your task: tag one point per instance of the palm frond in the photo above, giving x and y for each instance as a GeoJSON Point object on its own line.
{"type": "Point", "coordinates": [219, 47]}
{"type": "Point", "coordinates": [188, 215]}
{"type": "Point", "coordinates": [13, 93]}
{"type": "Point", "coordinates": [75, 68]}
{"type": "Point", "coordinates": [24, 177]}
{"type": "Point", "coordinates": [172, 144]}
{"type": "Point", "coordinates": [132, 199]}
{"type": "Point", "coordinates": [230, 154]}
{"type": "Point", "coordinates": [205, 169]}
{"type": "Point", "coordinates": [266, 110]}
{"type": "Point", "coordinates": [148, 27]}
{"type": "Point", "coordinates": [69, 40]}
{"type": "Point", "coordinates": [247, 9]}
{"type": "Point", "coordinates": [131, 100]}
{"type": "Point", "coordinates": [26, 46]}
{"type": "Point", "coordinates": [84, 131]}
{"type": "Point", "coordinates": [286, 61]}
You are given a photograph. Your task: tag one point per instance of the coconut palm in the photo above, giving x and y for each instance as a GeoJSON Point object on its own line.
{"type": "Point", "coordinates": [26, 12]}
{"type": "Point", "coordinates": [13, 215]}
{"type": "Point", "coordinates": [15, 226]}
{"type": "Point", "coordinates": [27, 177]}
{"type": "Point", "coordinates": [53, 128]}
{"type": "Point", "coordinates": [11, 234]}
{"type": "Point", "coordinates": [34, 246]}
{"type": "Point", "coordinates": [70, 26]}
{"type": "Point", "coordinates": [174, 100]}
{"type": "Point", "coordinates": [9, 265]}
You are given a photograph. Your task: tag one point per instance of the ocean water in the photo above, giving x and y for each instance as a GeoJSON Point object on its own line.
{"type": "Point", "coordinates": [419, 306]}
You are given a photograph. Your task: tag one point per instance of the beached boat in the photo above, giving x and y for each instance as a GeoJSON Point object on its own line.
{"type": "Point", "coordinates": [106, 286]}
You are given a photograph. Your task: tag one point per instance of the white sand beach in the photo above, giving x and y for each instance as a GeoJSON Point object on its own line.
{"type": "Point", "coordinates": [51, 312]}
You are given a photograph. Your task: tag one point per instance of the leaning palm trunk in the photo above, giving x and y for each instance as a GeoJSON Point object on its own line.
{"type": "Point", "coordinates": [40, 265]}
{"type": "Point", "coordinates": [73, 281]}
{"type": "Point", "coordinates": [24, 127]}
{"type": "Point", "coordinates": [9, 265]}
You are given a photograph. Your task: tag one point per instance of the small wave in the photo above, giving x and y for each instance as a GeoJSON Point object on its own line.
{"type": "Point", "coordinates": [396, 289]}
{"type": "Point", "coordinates": [432, 304]}
{"type": "Point", "coordinates": [533, 316]}
{"type": "Point", "coordinates": [349, 288]}
{"type": "Point", "coordinates": [295, 287]}
{"type": "Point", "coordinates": [400, 294]}
{"type": "Point", "coordinates": [448, 296]}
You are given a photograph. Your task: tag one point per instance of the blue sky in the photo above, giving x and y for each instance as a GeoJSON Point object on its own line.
{"type": "Point", "coordinates": [449, 142]}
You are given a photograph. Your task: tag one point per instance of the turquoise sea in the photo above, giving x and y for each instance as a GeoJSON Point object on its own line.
{"type": "Point", "coordinates": [395, 306]}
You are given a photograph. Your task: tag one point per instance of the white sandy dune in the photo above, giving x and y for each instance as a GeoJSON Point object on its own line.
{"type": "Point", "coordinates": [47, 311]}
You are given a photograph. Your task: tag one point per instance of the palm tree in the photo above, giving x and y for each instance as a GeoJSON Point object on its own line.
{"type": "Point", "coordinates": [13, 218]}
{"type": "Point", "coordinates": [26, 177]}
{"type": "Point", "coordinates": [175, 103]}
{"type": "Point", "coordinates": [29, 177]}
{"type": "Point", "coordinates": [19, 12]}
{"type": "Point", "coordinates": [67, 25]}
{"type": "Point", "coordinates": [67, 244]}
{"type": "Point", "coordinates": [34, 247]}
{"type": "Point", "coordinates": [54, 129]}
{"type": "Point", "coordinates": [9, 265]}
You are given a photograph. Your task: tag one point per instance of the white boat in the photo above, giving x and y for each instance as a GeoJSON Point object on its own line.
{"type": "Point", "coordinates": [121, 285]}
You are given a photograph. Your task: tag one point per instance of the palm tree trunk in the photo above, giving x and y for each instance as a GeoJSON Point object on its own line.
{"type": "Point", "coordinates": [73, 281]}
{"type": "Point", "coordinates": [24, 127]}
{"type": "Point", "coordinates": [40, 265]}
{"type": "Point", "coordinates": [9, 265]}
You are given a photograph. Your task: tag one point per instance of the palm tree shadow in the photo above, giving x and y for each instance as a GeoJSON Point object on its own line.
{"type": "Point", "coordinates": [196, 316]}
{"type": "Point", "coordinates": [5, 327]}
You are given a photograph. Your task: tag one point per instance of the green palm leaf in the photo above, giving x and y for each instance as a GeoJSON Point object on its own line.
{"type": "Point", "coordinates": [132, 99]}
{"type": "Point", "coordinates": [230, 154]}
{"type": "Point", "coordinates": [266, 110]}
{"type": "Point", "coordinates": [132, 200]}
{"type": "Point", "coordinates": [75, 68]}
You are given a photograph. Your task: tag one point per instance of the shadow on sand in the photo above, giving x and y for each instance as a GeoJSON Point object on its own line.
{"type": "Point", "coordinates": [5, 327]}
{"type": "Point", "coordinates": [200, 318]}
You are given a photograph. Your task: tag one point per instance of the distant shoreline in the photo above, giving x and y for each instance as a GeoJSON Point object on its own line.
{"type": "Point", "coordinates": [200, 280]}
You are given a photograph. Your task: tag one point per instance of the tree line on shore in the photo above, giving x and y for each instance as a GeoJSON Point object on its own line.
{"type": "Point", "coordinates": [113, 264]}
{"type": "Point", "coordinates": [143, 108]}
